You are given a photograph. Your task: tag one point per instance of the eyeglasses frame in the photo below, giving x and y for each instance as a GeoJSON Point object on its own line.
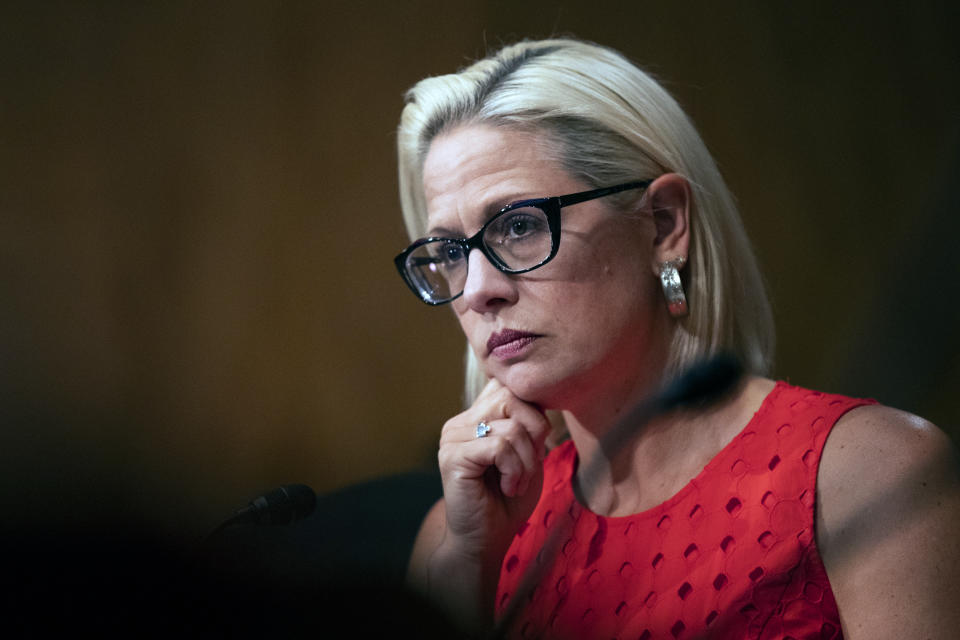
{"type": "Point", "coordinates": [550, 206]}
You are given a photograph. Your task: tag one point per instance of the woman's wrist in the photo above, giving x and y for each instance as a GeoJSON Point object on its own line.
{"type": "Point", "coordinates": [463, 580]}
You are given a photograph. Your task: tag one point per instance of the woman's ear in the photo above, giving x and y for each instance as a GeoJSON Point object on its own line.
{"type": "Point", "coordinates": [669, 198]}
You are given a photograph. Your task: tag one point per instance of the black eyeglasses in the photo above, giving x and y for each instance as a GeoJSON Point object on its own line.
{"type": "Point", "coordinates": [521, 237]}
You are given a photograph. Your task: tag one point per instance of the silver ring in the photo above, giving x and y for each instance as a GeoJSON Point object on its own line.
{"type": "Point", "coordinates": [483, 429]}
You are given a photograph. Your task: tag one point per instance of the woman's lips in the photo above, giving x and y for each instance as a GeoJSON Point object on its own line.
{"type": "Point", "coordinates": [509, 343]}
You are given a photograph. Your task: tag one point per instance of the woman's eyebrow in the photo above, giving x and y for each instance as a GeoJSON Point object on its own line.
{"type": "Point", "coordinates": [442, 232]}
{"type": "Point", "coordinates": [492, 209]}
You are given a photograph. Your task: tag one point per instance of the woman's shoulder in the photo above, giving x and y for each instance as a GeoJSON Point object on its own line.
{"type": "Point", "coordinates": [880, 460]}
{"type": "Point", "coordinates": [881, 444]}
{"type": "Point", "coordinates": [888, 509]}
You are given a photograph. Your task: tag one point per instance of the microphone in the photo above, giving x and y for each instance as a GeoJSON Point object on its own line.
{"type": "Point", "coordinates": [281, 506]}
{"type": "Point", "coordinates": [701, 385]}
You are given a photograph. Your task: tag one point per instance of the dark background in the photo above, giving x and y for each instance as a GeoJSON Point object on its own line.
{"type": "Point", "coordinates": [198, 212]}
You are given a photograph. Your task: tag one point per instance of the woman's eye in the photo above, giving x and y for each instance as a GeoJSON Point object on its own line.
{"type": "Point", "coordinates": [452, 253]}
{"type": "Point", "coordinates": [519, 225]}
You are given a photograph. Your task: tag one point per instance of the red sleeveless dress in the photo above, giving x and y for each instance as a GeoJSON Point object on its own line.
{"type": "Point", "coordinates": [732, 555]}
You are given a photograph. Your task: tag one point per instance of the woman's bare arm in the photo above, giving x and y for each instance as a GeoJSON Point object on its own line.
{"type": "Point", "coordinates": [888, 525]}
{"type": "Point", "coordinates": [490, 485]}
{"type": "Point", "coordinates": [462, 586]}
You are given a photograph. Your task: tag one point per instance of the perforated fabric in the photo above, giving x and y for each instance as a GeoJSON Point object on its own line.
{"type": "Point", "coordinates": [732, 555]}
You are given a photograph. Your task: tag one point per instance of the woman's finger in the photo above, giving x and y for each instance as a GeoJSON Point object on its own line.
{"type": "Point", "coordinates": [471, 460]}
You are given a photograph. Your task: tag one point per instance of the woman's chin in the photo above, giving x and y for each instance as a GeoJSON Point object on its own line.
{"type": "Point", "coordinates": [532, 386]}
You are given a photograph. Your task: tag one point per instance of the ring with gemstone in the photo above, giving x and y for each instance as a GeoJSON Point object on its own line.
{"type": "Point", "coordinates": [483, 429]}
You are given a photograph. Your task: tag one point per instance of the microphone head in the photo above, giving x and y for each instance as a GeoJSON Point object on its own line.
{"type": "Point", "coordinates": [282, 505]}
{"type": "Point", "coordinates": [703, 383]}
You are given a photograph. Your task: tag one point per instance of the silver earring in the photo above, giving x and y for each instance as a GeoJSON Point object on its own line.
{"type": "Point", "coordinates": [673, 287]}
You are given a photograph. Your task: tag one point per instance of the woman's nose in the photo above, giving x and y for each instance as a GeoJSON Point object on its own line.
{"type": "Point", "coordinates": [487, 287]}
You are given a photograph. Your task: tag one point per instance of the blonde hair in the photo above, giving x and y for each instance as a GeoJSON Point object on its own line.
{"type": "Point", "coordinates": [612, 123]}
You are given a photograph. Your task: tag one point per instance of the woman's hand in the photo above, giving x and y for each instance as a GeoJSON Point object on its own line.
{"type": "Point", "coordinates": [490, 486]}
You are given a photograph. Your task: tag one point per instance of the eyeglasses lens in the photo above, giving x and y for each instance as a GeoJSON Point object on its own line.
{"type": "Point", "coordinates": [438, 269]}
{"type": "Point", "coordinates": [519, 238]}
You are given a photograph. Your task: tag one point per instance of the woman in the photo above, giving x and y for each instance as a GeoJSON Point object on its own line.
{"type": "Point", "coordinates": [573, 219]}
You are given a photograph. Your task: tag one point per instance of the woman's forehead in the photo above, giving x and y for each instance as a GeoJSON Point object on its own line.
{"type": "Point", "coordinates": [473, 171]}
